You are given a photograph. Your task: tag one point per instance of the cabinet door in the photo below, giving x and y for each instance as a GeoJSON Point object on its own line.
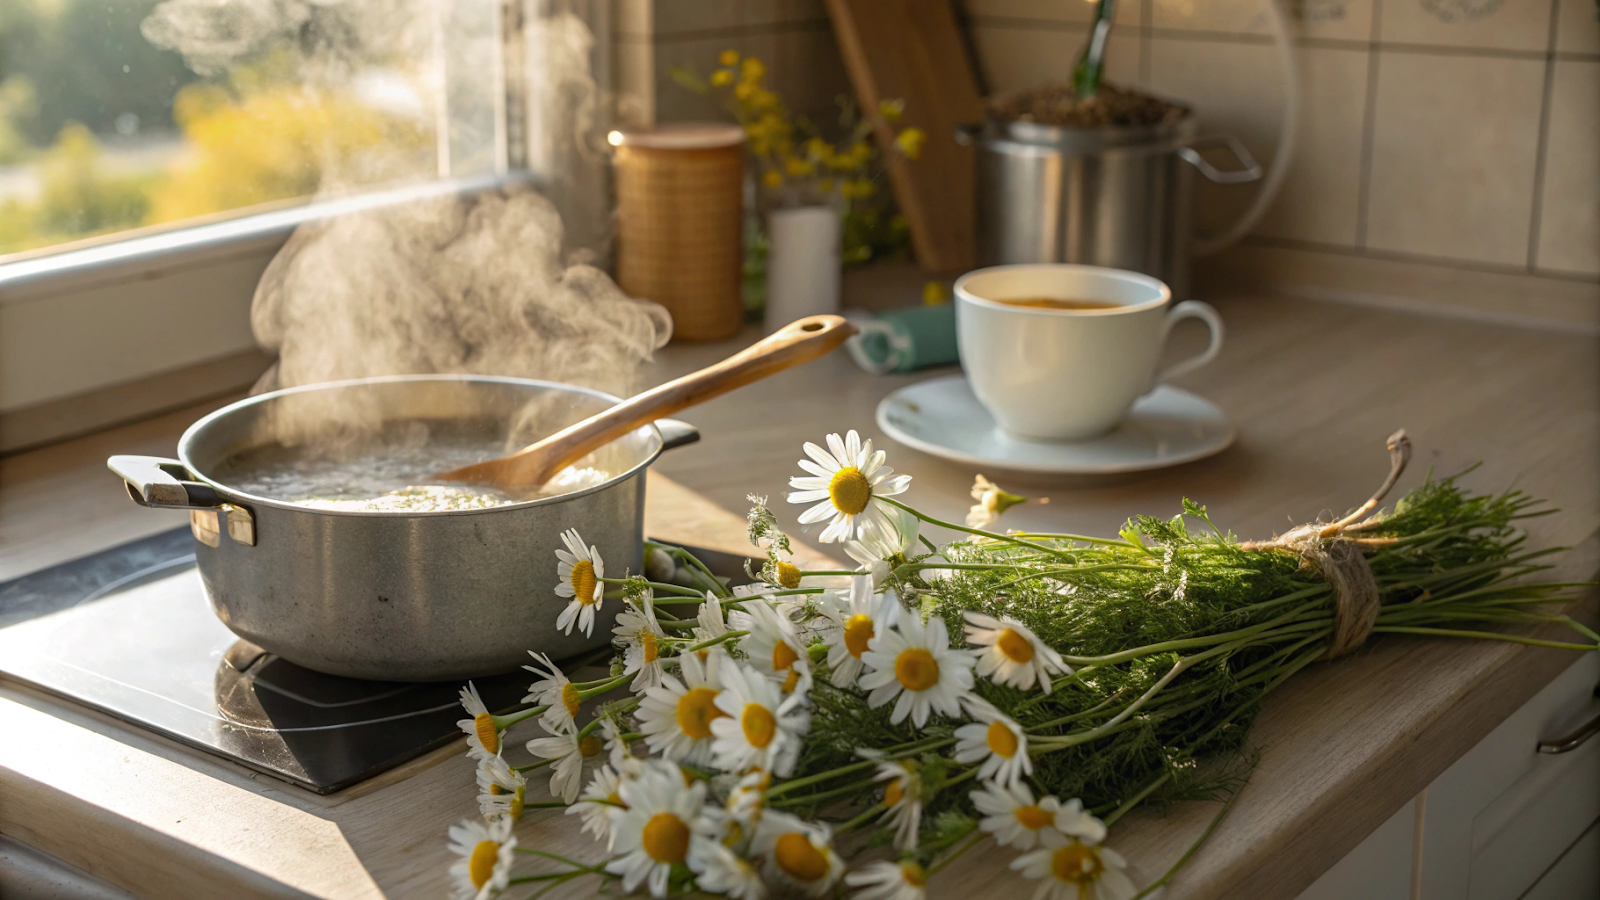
{"type": "Point", "coordinates": [1504, 812]}
{"type": "Point", "coordinates": [1576, 875]}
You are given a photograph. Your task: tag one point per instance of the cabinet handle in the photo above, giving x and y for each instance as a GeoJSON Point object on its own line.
{"type": "Point", "coordinates": [1574, 740]}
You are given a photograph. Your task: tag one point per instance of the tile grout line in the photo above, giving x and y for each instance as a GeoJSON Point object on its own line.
{"type": "Point", "coordinates": [1423, 259]}
{"type": "Point", "coordinates": [1537, 210]}
{"type": "Point", "coordinates": [1369, 123]}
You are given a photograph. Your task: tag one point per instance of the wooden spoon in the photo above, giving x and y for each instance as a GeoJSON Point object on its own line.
{"type": "Point", "coordinates": [798, 342]}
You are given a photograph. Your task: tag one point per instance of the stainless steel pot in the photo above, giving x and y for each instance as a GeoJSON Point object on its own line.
{"type": "Point", "coordinates": [401, 596]}
{"type": "Point", "coordinates": [1109, 196]}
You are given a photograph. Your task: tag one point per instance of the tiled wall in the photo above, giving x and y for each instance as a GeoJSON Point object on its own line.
{"type": "Point", "coordinates": [1453, 136]}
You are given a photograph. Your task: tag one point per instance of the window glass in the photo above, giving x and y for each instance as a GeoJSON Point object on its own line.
{"type": "Point", "coordinates": [126, 114]}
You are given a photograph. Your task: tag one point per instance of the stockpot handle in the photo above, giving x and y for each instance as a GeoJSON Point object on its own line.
{"type": "Point", "coordinates": [1249, 170]}
{"type": "Point", "coordinates": [163, 483]}
{"type": "Point", "coordinates": [676, 433]}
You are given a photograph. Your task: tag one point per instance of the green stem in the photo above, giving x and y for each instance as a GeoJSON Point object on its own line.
{"type": "Point", "coordinates": [1483, 635]}
{"type": "Point", "coordinates": [974, 531]}
{"type": "Point", "coordinates": [1136, 799]}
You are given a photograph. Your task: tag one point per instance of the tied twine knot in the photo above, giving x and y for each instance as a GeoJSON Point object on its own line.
{"type": "Point", "coordinates": [1333, 551]}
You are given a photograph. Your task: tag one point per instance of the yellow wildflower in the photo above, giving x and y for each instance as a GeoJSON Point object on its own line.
{"type": "Point", "coordinates": [744, 90]}
{"type": "Point", "coordinates": [892, 110]}
{"type": "Point", "coordinates": [772, 179]}
{"type": "Point", "coordinates": [753, 69]}
{"type": "Point", "coordinates": [910, 142]}
{"type": "Point", "coordinates": [728, 58]}
{"type": "Point", "coordinates": [858, 189]}
{"type": "Point", "coordinates": [796, 167]}
{"type": "Point", "coordinates": [934, 293]}
{"type": "Point", "coordinates": [721, 78]}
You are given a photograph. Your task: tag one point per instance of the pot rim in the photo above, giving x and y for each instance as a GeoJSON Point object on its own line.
{"type": "Point", "coordinates": [1096, 138]}
{"type": "Point", "coordinates": [192, 432]}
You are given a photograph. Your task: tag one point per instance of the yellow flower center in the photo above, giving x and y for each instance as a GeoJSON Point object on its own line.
{"type": "Point", "coordinates": [488, 735]}
{"type": "Point", "coordinates": [1017, 648]}
{"type": "Point", "coordinates": [569, 698]}
{"type": "Point", "coordinates": [583, 581]}
{"type": "Point", "coordinates": [783, 656]}
{"type": "Point", "coordinates": [788, 575]}
{"type": "Point", "coordinates": [666, 838]}
{"type": "Point", "coordinates": [799, 858]}
{"type": "Point", "coordinates": [1076, 863]}
{"type": "Point", "coordinates": [758, 724]}
{"type": "Point", "coordinates": [590, 746]}
{"type": "Point", "coordinates": [696, 709]}
{"type": "Point", "coordinates": [1002, 740]}
{"type": "Point", "coordinates": [735, 833]}
{"type": "Point", "coordinates": [480, 865]}
{"type": "Point", "coordinates": [615, 799]}
{"type": "Point", "coordinates": [1032, 817]}
{"type": "Point", "coordinates": [916, 669]}
{"type": "Point", "coordinates": [791, 681]}
{"type": "Point", "coordinates": [894, 793]}
{"type": "Point", "coordinates": [914, 874]}
{"type": "Point", "coordinates": [857, 632]}
{"type": "Point", "coordinates": [647, 640]}
{"type": "Point", "coordinates": [517, 801]}
{"type": "Point", "coordinates": [849, 490]}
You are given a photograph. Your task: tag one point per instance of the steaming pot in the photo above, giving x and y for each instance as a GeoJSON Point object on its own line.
{"type": "Point", "coordinates": [1121, 197]}
{"type": "Point", "coordinates": [401, 596]}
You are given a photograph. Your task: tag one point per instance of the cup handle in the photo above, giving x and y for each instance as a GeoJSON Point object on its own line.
{"type": "Point", "coordinates": [1192, 309]}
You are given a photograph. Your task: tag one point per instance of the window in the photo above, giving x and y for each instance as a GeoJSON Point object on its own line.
{"type": "Point", "coordinates": [119, 116]}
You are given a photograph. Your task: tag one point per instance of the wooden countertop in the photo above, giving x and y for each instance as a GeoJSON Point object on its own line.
{"type": "Point", "coordinates": [1314, 388]}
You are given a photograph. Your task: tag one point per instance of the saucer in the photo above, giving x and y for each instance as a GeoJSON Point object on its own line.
{"type": "Point", "coordinates": [1167, 427]}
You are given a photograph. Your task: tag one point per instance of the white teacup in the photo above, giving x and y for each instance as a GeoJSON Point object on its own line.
{"type": "Point", "coordinates": [1064, 374]}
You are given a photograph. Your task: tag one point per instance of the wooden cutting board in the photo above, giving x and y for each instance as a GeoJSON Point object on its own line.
{"type": "Point", "coordinates": [912, 50]}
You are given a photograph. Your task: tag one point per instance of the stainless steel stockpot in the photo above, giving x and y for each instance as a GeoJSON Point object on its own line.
{"type": "Point", "coordinates": [401, 596]}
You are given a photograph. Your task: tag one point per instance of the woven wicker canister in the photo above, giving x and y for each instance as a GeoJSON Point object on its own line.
{"type": "Point", "coordinates": [680, 224]}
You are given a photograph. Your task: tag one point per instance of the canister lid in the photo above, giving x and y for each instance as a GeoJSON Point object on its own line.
{"type": "Point", "coordinates": [679, 136]}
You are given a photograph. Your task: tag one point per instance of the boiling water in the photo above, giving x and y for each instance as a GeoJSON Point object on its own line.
{"type": "Point", "coordinates": [395, 479]}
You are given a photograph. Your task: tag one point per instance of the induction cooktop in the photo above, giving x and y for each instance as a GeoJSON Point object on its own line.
{"type": "Point", "coordinates": [129, 631]}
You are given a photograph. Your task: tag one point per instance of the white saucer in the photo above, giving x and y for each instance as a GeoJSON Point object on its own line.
{"type": "Point", "coordinates": [1168, 427]}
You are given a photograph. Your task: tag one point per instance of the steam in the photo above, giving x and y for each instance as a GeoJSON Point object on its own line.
{"type": "Point", "coordinates": [484, 282]}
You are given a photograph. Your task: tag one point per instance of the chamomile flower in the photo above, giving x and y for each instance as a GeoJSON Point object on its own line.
{"type": "Point", "coordinates": [501, 789]}
{"type": "Point", "coordinates": [1010, 813]}
{"type": "Point", "coordinates": [746, 801]}
{"type": "Point", "coordinates": [885, 880]}
{"type": "Point", "coordinates": [992, 501]}
{"type": "Point", "coordinates": [617, 748]}
{"type": "Point", "coordinates": [995, 739]}
{"type": "Point", "coordinates": [483, 738]}
{"type": "Point", "coordinates": [719, 870]}
{"type": "Point", "coordinates": [760, 727]}
{"type": "Point", "coordinates": [902, 794]}
{"type": "Point", "coordinates": [553, 690]}
{"type": "Point", "coordinates": [663, 823]}
{"type": "Point", "coordinates": [1071, 869]}
{"type": "Point", "coordinates": [487, 850]}
{"type": "Point", "coordinates": [675, 716]}
{"type": "Point", "coordinates": [580, 570]}
{"type": "Point", "coordinates": [710, 621]}
{"type": "Point", "coordinates": [856, 620]}
{"type": "Point", "coordinates": [914, 665]}
{"type": "Point", "coordinates": [797, 854]}
{"type": "Point", "coordinates": [848, 479]}
{"type": "Point", "coordinates": [569, 751]}
{"type": "Point", "coordinates": [1010, 653]}
{"type": "Point", "coordinates": [774, 642]}
{"type": "Point", "coordinates": [880, 554]}
{"type": "Point", "coordinates": [599, 798]}
{"type": "Point", "coordinates": [638, 629]}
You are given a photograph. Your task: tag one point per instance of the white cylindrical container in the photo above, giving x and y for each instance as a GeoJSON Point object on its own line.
{"type": "Point", "coordinates": [802, 263]}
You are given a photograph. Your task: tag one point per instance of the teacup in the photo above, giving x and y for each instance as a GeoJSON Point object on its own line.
{"type": "Point", "coordinates": [1070, 370]}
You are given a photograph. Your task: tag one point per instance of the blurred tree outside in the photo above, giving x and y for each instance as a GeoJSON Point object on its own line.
{"type": "Point", "coordinates": [101, 132]}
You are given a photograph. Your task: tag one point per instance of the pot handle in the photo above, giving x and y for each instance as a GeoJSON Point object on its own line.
{"type": "Point", "coordinates": [163, 483]}
{"type": "Point", "coordinates": [676, 433]}
{"type": "Point", "coordinates": [1249, 170]}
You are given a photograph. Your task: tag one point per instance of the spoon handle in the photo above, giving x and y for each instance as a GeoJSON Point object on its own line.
{"type": "Point", "coordinates": [798, 342]}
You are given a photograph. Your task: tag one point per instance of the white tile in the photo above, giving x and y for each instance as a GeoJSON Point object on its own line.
{"type": "Point", "coordinates": [1075, 11]}
{"type": "Point", "coordinates": [1348, 19]}
{"type": "Point", "coordinates": [1453, 156]}
{"type": "Point", "coordinates": [1319, 198]}
{"type": "Point", "coordinates": [1578, 26]}
{"type": "Point", "coordinates": [1016, 57]}
{"type": "Point", "coordinates": [1497, 24]}
{"type": "Point", "coordinates": [1234, 88]}
{"type": "Point", "coordinates": [1569, 211]}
